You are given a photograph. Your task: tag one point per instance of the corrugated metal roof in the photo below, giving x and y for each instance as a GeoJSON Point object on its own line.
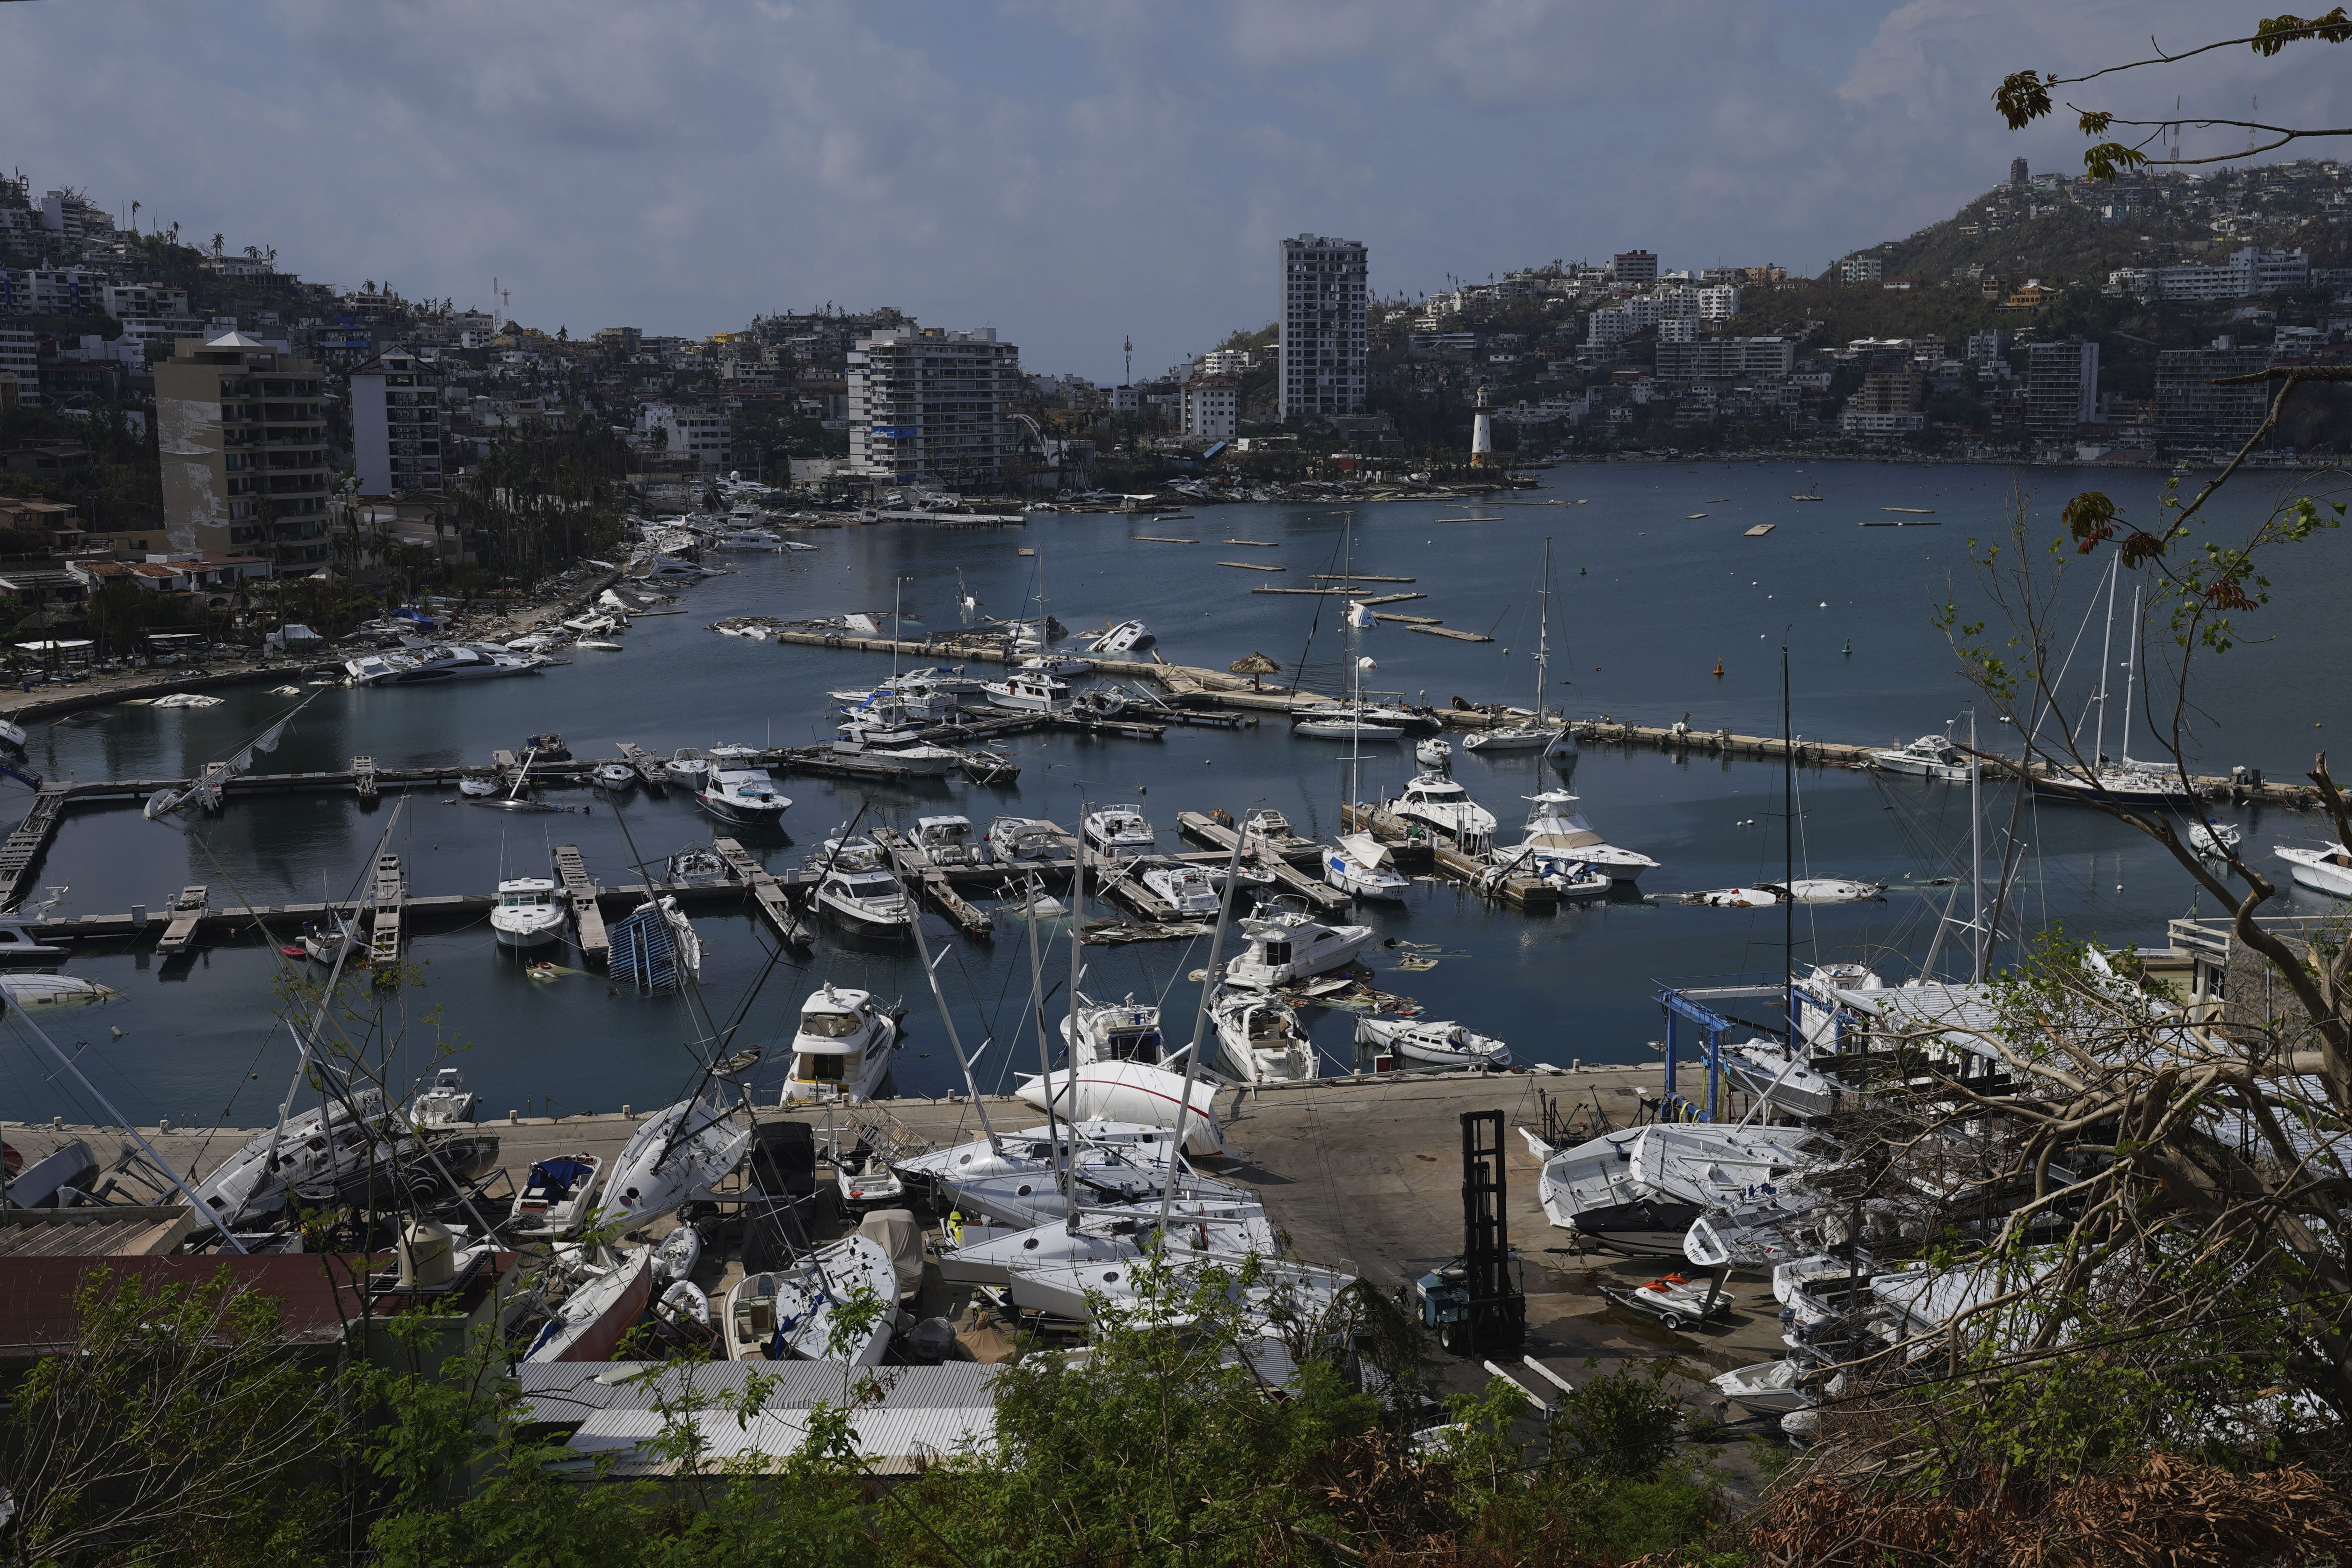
{"type": "Point", "coordinates": [894, 1441]}
{"type": "Point", "coordinates": [560, 1393]}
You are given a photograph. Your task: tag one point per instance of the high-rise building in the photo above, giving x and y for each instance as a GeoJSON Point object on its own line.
{"type": "Point", "coordinates": [2017, 175]}
{"type": "Point", "coordinates": [1633, 266]}
{"type": "Point", "coordinates": [1324, 296]}
{"type": "Point", "coordinates": [928, 406]}
{"type": "Point", "coordinates": [691, 430]}
{"type": "Point", "coordinates": [2061, 388]}
{"type": "Point", "coordinates": [244, 448]}
{"type": "Point", "coordinates": [2192, 412]}
{"type": "Point", "coordinates": [396, 425]}
{"type": "Point", "coordinates": [1211, 405]}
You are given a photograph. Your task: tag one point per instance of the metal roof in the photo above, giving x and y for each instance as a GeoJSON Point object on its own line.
{"type": "Point", "coordinates": [562, 1392]}
{"type": "Point", "coordinates": [894, 1442]}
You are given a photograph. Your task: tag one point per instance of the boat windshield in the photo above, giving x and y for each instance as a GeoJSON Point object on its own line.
{"type": "Point", "coordinates": [828, 1025]}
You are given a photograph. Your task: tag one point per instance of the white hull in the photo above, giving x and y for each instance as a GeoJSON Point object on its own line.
{"type": "Point", "coordinates": [524, 937]}
{"type": "Point", "coordinates": [2322, 870]}
{"type": "Point", "coordinates": [603, 1307]}
{"type": "Point", "coordinates": [1132, 1091]}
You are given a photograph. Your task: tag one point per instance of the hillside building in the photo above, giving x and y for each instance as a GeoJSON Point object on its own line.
{"type": "Point", "coordinates": [2190, 414]}
{"type": "Point", "coordinates": [2061, 388]}
{"type": "Point", "coordinates": [928, 406]}
{"type": "Point", "coordinates": [1212, 406]}
{"type": "Point", "coordinates": [1325, 293]}
{"type": "Point", "coordinates": [1639, 267]}
{"type": "Point", "coordinates": [244, 446]}
{"type": "Point", "coordinates": [396, 434]}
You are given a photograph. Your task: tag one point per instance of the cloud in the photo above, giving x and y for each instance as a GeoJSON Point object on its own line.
{"type": "Point", "coordinates": [1071, 171]}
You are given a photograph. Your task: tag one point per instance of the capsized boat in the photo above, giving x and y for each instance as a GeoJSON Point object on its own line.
{"type": "Point", "coordinates": [438, 663]}
{"type": "Point", "coordinates": [1803, 890]}
{"type": "Point", "coordinates": [1287, 943]}
{"type": "Point", "coordinates": [1682, 1162]}
{"type": "Point", "coordinates": [1132, 1091]}
{"type": "Point", "coordinates": [1127, 636]}
{"type": "Point", "coordinates": [1763, 1068]}
{"type": "Point", "coordinates": [794, 1313]}
{"type": "Point", "coordinates": [1018, 1180]}
{"type": "Point", "coordinates": [1271, 1293]}
{"type": "Point", "coordinates": [604, 1303]}
{"type": "Point", "coordinates": [1432, 1044]}
{"type": "Point", "coordinates": [1642, 1228]}
{"type": "Point", "coordinates": [37, 991]}
{"type": "Point", "coordinates": [318, 1145]}
{"type": "Point", "coordinates": [1262, 1038]}
{"type": "Point", "coordinates": [1358, 865]}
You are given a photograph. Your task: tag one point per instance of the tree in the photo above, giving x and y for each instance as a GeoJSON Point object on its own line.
{"type": "Point", "coordinates": [2023, 97]}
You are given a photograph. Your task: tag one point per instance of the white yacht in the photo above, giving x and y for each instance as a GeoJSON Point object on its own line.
{"type": "Point", "coordinates": [1929, 756]}
{"type": "Point", "coordinates": [1261, 1038]}
{"type": "Point", "coordinates": [744, 798]}
{"type": "Point", "coordinates": [1444, 807]}
{"type": "Point", "coordinates": [789, 1314]}
{"type": "Point", "coordinates": [687, 766]}
{"type": "Point", "coordinates": [1340, 722]}
{"type": "Point", "coordinates": [1029, 691]}
{"type": "Point", "coordinates": [2326, 869]}
{"type": "Point", "coordinates": [2127, 782]}
{"type": "Point", "coordinates": [1132, 1091]}
{"type": "Point", "coordinates": [1433, 752]}
{"type": "Point", "coordinates": [949, 680]}
{"type": "Point", "coordinates": [1432, 1044]}
{"type": "Point", "coordinates": [437, 661]}
{"type": "Point", "coordinates": [529, 913]}
{"type": "Point", "coordinates": [895, 746]}
{"type": "Point", "coordinates": [1286, 944]}
{"type": "Point", "coordinates": [1126, 1031]}
{"type": "Point", "coordinates": [1128, 636]}
{"type": "Point", "coordinates": [949, 840]}
{"type": "Point", "coordinates": [1184, 888]}
{"type": "Point", "coordinates": [1559, 839]}
{"type": "Point", "coordinates": [1358, 865]}
{"type": "Point", "coordinates": [1028, 839]}
{"type": "Point", "coordinates": [673, 1154]}
{"type": "Point", "coordinates": [1056, 664]}
{"type": "Point", "coordinates": [867, 900]}
{"type": "Point", "coordinates": [1015, 1180]}
{"type": "Point", "coordinates": [840, 1050]}
{"type": "Point", "coordinates": [1120, 830]}
{"type": "Point", "coordinates": [445, 1102]}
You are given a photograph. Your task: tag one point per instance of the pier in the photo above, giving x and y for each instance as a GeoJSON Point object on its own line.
{"type": "Point", "coordinates": [766, 892]}
{"type": "Point", "coordinates": [572, 874]}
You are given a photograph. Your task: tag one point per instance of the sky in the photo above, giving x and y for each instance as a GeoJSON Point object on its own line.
{"type": "Point", "coordinates": [1072, 172]}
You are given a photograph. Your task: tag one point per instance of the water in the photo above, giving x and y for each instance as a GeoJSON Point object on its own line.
{"type": "Point", "coordinates": [1648, 602]}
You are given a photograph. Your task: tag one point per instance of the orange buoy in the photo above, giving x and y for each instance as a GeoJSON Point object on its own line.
{"type": "Point", "coordinates": [1719, 670]}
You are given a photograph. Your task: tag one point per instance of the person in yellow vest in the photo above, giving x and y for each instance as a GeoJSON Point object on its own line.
{"type": "Point", "coordinates": [955, 1226]}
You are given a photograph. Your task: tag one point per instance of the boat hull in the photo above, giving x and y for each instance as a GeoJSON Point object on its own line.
{"type": "Point", "coordinates": [1646, 1228]}
{"type": "Point", "coordinates": [524, 937]}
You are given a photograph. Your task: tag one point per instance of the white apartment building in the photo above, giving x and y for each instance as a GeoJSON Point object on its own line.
{"type": "Point", "coordinates": [1611, 324]}
{"type": "Point", "coordinates": [1720, 302]}
{"type": "Point", "coordinates": [689, 430]}
{"type": "Point", "coordinates": [1325, 290]}
{"type": "Point", "coordinates": [122, 299]}
{"type": "Point", "coordinates": [396, 435]}
{"type": "Point", "coordinates": [1224, 361]}
{"type": "Point", "coordinates": [1212, 406]}
{"type": "Point", "coordinates": [1678, 329]}
{"type": "Point", "coordinates": [928, 406]}
{"type": "Point", "coordinates": [1861, 269]}
{"type": "Point", "coordinates": [2249, 272]}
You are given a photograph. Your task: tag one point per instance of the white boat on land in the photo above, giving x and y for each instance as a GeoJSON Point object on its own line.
{"type": "Point", "coordinates": [793, 1313]}
{"type": "Point", "coordinates": [1184, 889]}
{"type": "Point", "coordinates": [1018, 1180]}
{"type": "Point", "coordinates": [1762, 1068]}
{"type": "Point", "coordinates": [1556, 837]}
{"type": "Point", "coordinates": [1028, 839]}
{"type": "Point", "coordinates": [1280, 1293]}
{"type": "Point", "coordinates": [1127, 636]}
{"type": "Point", "coordinates": [2214, 839]}
{"type": "Point", "coordinates": [1929, 756]}
{"type": "Point", "coordinates": [1262, 1039]}
{"type": "Point", "coordinates": [1029, 691]}
{"type": "Point", "coordinates": [320, 1145]}
{"type": "Point", "coordinates": [1286, 944]}
{"type": "Point", "coordinates": [673, 1154]}
{"type": "Point", "coordinates": [1770, 1388]}
{"type": "Point", "coordinates": [1340, 722]}
{"type": "Point", "coordinates": [1358, 865]}
{"type": "Point", "coordinates": [688, 766]}
{"type": "Point", "coordinates": [744, 798]}
{"type": "Point", "coordinates": [1692, 1163]}
{"type": "Point", "coordinates": [1433, 752]}
{"type": "Point", "coordinates": [1441, 1045]}
{"type": "Point", "coordinates": [1120, 830]}
{"type": "Point", "coordinates": [529, 913]}
{"type": "Point", "coordinates": [841, 1049]}
{"type": "Point", "coordinates": [1444, 807]}
{"type": "Point", "coordinates": [1132, 1091]}
{"type": "Point", "coordinates": [445, 1102]}
{"type": "Point", "coordinates": [867, 899]}
{"type": "Point", "coordinates": [2327, 869]}
{"type": "Point", "coordinates": [555, 1194]}
{"type": "Point", "coordinates": [605, 1300]}
{"type": "Point", "coordinates": [986, 1255]}
{"type": "Point", "coordinates": [437, 662]}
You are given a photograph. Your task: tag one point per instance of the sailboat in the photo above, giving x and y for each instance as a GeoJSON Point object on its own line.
{"type": "Point", "coordinates": [1541, 729]}
{"type": "Point", "coordinates": [2123, 781]}
{"type": "Point", "coordinates": [1356, 863]}
{"type": "Point", "coordinates": [211, 780]}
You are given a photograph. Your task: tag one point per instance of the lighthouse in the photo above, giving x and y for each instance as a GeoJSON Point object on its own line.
{"type": "Point", "coordinates": [1482, 434]}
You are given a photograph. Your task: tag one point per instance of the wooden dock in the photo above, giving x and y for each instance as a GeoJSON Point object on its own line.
{"type": "Point", "coordinates": [766, 891]}
{"type": "Point", "coordinates": [183, 914]}
{"type": "Point", "coordinates": [364, 777]}
{"type": "Point", "coordinates": [572, 871]}
{"type": "Point", "coordinates": [24, 849]}
{"type": "Point", "coordinates": [1529, 895]}
{"type": "Point", "coordinates": [386, 894]}
{"type": "Point", "coordinates": [1278, 865]}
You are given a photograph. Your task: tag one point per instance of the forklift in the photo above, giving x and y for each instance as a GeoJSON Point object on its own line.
{"type": "Point", "coordinates": [1477, 1303]}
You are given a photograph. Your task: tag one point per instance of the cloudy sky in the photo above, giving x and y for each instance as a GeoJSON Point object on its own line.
{"type": "Point", "coordinates": [1070, 171]}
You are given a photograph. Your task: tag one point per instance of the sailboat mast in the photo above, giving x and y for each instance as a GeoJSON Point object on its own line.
{"type": "Point", "coordinates": [1543, 628]}
{"type": "Point", "coordinates": [1200, 1026]}
{"type": "Point", "coordinates": [1044, 1061]}
{"type": "Point", "coordinates": [1979, 939]}
{"type": "Point", "coordinates": [931, 973]}
{"type": "Point", "coordinates": [2106, 657]}
{"type": "Point", "coordinates": [1788, 849]}
{"type": "Point", "coordinates": [2131, 672]}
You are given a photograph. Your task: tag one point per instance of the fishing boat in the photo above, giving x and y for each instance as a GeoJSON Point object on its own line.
{"type": "Point", "coordinates": [445, 1103]}
{"type": "Point", "coordinates": [1287, 943]}
{"type": "Point", "coordinates": [867, 899]}
{"type": "Point", "coordinates": [949, 840]}
{"type": "Point", "coordinates": [841, 1049]}
{"type": "Point", "coordinates": [2327, 869]}
{"type": "Point", "coordinates": [673, 1154]}
{"type": "Point", "coordinates": [1127, 636]}
{"type": "Point", "coordinates": [1441, 1045]}
{"type": "Point", "coordinates": [687, 766]}
{"type": "Point", "coordinates": [529, 913]}
{"type": "Point", "coordinates": [745, 797]}
{"type": "Point", "coordinates": [1261, 1038]}
{"type": "Point", "coordinates": [793, 1313]}
{"type": "Point", "coordinates": [1358, 865]}
{"type": "Point", "coordinates": [1029, 691]}
{"type": "Point", "coordinates": [1929, 756]}
{"type": "Point", "coordinates": [604, 1303]}
{"type": "Point", "coordinates": [1557, 838]}
{"type": "Point", "coordinates": [1444, 807]}
{"type": "Point", "coordinates": [437, 663]}
{"type": "Point", "coordinates": [1432, 751]}
{"type": "Point", "coordinates": [1119, 830]}
{"type": "Point", "coordinates": [1183, 889]}
{"type": "Point", "coordinates": [555, 1195]}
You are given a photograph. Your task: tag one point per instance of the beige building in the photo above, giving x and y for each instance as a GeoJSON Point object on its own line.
{"type": "Point", "coordinates": [244, 446]}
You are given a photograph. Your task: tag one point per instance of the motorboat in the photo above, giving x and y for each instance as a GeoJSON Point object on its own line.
{"type": "Point", "coordinates": [1429, 1044]}
{"type": "Point", "coordinates": [1433, 752]}
{"type": "Point", "coordinates": [840, 1049]}
{"type": "Point", "coordinates": [445, 1103]}
{"type": "Point", "coordinates": [1056, 664]}
{"type": "Point", "coordinates": [480, 784]}
{"type": "Point", "coordinates": [794, 1313]}
{"type": "Point", "coordinates": [675, 1254]}
{"type": "Point", "coordinates": [1768, 1388]}
{"type": "Point", "coordinates": [1642, 1227]}
{"type": "Point", "coordinates": [864, 1178]}
{"type": "Point", "coordinates": [1132, 1091]}
{"type": "Point", "coordinates": [867, 900]}
{"type": "Point", "coordinates": [1340, 722]}
{"type": "Point", "coordinates": [322, 1144]}
{"type": "Point", "coordinates": [1028, 839]}
{"type": "Point", "coordinates": [1444, 807]}
{"type": "Point", "coordinates": [555, 1195]}
{"type": "Point", "coordinates": [38, 990]}
{"type": "Point", "coordinates": [1127, 636]}
{"type": "Point", "coordinates": [1821, 1005]}
{"type": "Point", "coordinates": [883, 708]}
{"type": "Point", "coordinates": [1929, 756]}
{"type": "Point", "coordinates": [1270, 831]}
{"type": "Point", "coordinates": [2213, 839]}
{"type": "Point", "coordinates": [598, 644]}
{"type": "Point", "coordinates": [845, 849]}
{"type": "Point", "coordinates": [1183, 889]}
{"type": "Point", "coordinates": [547, 748]}
{"type": "Point", "coordinates": [1558, 836]}
{"type": "Point", "coordinates": [1098, 704]}
{"type": "Point", "coordinates": [674, 1153]}
{"type": "Point", "coordinates": [1358, 865]}
{"type": "Point", "coordinates": [1269, 1293]}
{"type": "Point", "coordinates": [985, 1255]}
{"type": "Point", "coordinates": [734, 754]}
{"type": "Point", "coordinates": [529, 913]}
{"type": "Point", "coordinates": [1119, 830]}
{"type": "Point", "coordinates": [1286, 944]}
{"type": "Point", "coordinates": [604, 1302]}
{"type": "Point", "coordinates": [1262, 1039]}
{"type": "Point", "coordinates": [437, 662]}
{"type": "Point", "coordinates": [2327, 869]}
{"type": "Point", "coordinates": [614, 777]}
{"type": "Point", "coordinates": [687, 766]}
{"type": "Point", "coordinates": [949, 840]}
{"type": "Point", "coordinates": [745, 797]}
{"type": "Point", "coordinates": [895, 746]}
{"type": "Point", "coordinates": [1029, 691]}
{"type": "Point", "coordinates": [1125, 1031]}
{"type": "Point", "coordinates": [948, 679]}
{"type": "Point", "coordinates": [750, 538]}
